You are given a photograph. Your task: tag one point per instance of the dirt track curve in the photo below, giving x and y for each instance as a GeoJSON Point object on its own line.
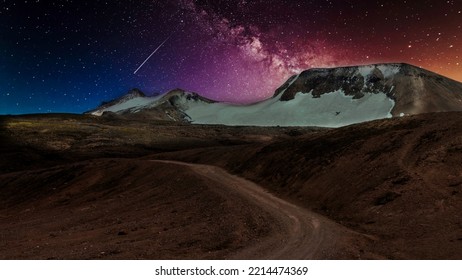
{"type": "Point", "coordinates": [302, 234]}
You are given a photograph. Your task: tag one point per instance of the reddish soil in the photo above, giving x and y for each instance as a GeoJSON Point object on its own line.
{"type": "Point", "coordinates": [84, 188]}
{"type": "Point", "coordinates": [123, 209]}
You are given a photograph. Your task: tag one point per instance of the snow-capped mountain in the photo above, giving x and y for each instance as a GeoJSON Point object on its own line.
{"type": "Point", "coordinates": [317, 97]}
{"type": "Point", "coordinates": [169, 106]}
{"type": "Point", "coordinates": [413, 90]}
{"type": "Point", "coordinates": [131, 99]}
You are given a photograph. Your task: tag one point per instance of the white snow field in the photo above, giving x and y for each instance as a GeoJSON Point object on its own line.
{"type": "Point", "coordinates": [379, 86]}
{"type": "Point", "coordinates": [135, 104]}
{"type": "Point", "coordinates": [333, 109]}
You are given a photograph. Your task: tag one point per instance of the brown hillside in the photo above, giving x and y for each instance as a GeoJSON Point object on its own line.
{"type": "Point", "coordinates": [399, 180]}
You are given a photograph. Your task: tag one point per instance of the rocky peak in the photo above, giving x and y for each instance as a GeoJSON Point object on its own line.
{"type": "Point", "coordinates": [353, 80]}
{"type": "Point", "coordinates": [177, 96]}
{"type": "Point", "coordinates": [134, 93]}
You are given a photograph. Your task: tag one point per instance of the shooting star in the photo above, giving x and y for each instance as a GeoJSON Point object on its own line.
{"type": "Point", "coordinates": [160, 46]}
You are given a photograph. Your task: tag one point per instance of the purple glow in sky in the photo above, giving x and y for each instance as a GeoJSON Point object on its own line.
{"type": "Point", "coordinates": [68, 56]}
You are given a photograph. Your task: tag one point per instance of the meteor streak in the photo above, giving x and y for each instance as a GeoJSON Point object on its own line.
{"type": "Point", "coordinates": [160, 46]}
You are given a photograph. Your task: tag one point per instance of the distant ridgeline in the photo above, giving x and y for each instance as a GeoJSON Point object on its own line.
{"type": "Point", "coordinates": [330, 97]}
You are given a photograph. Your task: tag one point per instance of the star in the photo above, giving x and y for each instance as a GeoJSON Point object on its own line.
{"type": "Point", "coordinates": [236, 51]}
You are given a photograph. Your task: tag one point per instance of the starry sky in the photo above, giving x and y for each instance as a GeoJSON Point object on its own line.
{"type": "Point", "coordinates": [70, 55]}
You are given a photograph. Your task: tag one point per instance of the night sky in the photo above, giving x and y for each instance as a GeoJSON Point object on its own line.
{"type": "Point", "coordinates": [68, 56]}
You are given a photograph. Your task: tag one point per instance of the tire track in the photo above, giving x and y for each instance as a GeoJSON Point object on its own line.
{"type": "Point", "coordinates": [303, 234]}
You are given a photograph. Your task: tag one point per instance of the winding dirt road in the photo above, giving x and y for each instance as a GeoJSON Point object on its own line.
{"type": "Point", "coordinates": [301, 234]}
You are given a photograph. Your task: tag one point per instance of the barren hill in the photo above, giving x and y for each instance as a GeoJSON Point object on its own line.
{"type": "Point", "coordinates": [89, 187]}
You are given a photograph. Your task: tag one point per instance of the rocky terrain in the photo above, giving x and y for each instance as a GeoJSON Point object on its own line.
{"type": "Point", "coordinates": [414, 90]}
{"type": "Point", "coordinates": [333, 97]}
{"type": "Point", "coordinates": [85, 187]}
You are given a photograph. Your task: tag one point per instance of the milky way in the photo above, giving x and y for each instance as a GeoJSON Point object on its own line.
{"type": "Point", "coordinates": [68, 56]}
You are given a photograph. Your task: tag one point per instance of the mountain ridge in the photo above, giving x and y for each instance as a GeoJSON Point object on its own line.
{"type": "Point", "coordinates": [408, 84]}
{"type": "Point", "coordinates": [329, 97]}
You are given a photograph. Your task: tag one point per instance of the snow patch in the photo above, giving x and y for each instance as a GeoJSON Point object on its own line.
{"type": "Point", "coordinates": [389, 71]}
{"type": "Point", "coordinates": [366, 70]}
{"type": "Point", "coordinates": [135, 104]}
{"type": "Point", "coordinates": [333, 109]}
